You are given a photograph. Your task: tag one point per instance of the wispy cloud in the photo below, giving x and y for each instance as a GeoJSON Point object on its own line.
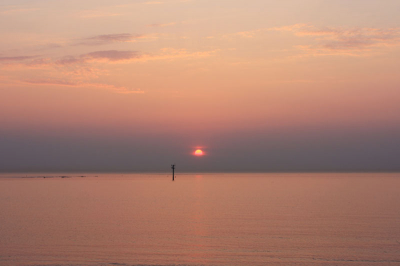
{"type": "Point", "coordinates": [157, 25]}
{"type": "Point", "coordinates": [110, 38]}
{"type": "Point", "coordinates": [171, 54]}
{"type": "Point", "coordinates": [82, 70]}
{"type": "Point", "coordinates": [49, 46]}
{"type": "Point", "coordinates": [153, 3]}
{"type": "Point", "coordinates": [105, 39]}
{"type": "Point", "coordinates": [289, 28]}
{"type": "Point", "coordinates": [150, 3]}
{"type": "Point", "coordinates": [49, 82]}
{"type": "Point", "coordinates": [68, 83]}
{"type": "Point", "coordinates": [67, 71]}
{"type": "Point", "coordinates": [333, 40]}
{"type": "Point", "coordinates": [10, 10]}
{"type": "Point", "coordinates": [69, 60]}
{"type": "Point", "coordinates": [88, 14]}
{"type": "Point", "coordinates": [241, 34]}
{"type": "Point", "coordinates": [103, 56]}
{"type": "Point", "coordinates": [15, 58]}
{"type": "Point", "coordinates": [5, 80]}
{"type": "Point", "coordinates": [112, 55]}
{"type": "Point", "coordinates": [115, 56]}
{"type": "Point", "coordinates": [343, 41]}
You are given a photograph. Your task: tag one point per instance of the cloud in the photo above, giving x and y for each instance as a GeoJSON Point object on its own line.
{"type": "Point", "coordinates": [242, 34]}
{"type": "Point", "coordinates": [333, 40]}
{"type": "Point", "coordinates": [5, 80]}
{"type": "Point", "coordinates": [115, 56]}
{"type": "Point", "coordinates": [339, 38]}
{"type": "Point", "coordinates": [150, 3]}
{"type": "Point", "coordinates": [162, 25]}
{"type": "Point", "coordinates": [61, 82]}
{"type": "Point", "coordinates": [69, 60]}
{"type": "Point", "coordinates": [16, 9]}
{"type": "Point", "coordinates": [49, 46]}
{"type": "Point", "coordinates": [15, 58]}
{"type": "Point", "coordinates": [153, 3]}
{"type": "Point", "coordinates": [171, 54]}
{"type": "Point", "coordinates": [84, 70]}
{"type": "Point", "coordinates": [111, 55]}
{"type": "Point", "coordinates": [49, 82]}
{"type": "Point", "coordinates": [343, 41]}
{"type": "Point", "coordinates": [111, 38]}
{"type": "Point", "coordinates": [88, 14]}
{"type": "Point", "coordinates": [290, 28]}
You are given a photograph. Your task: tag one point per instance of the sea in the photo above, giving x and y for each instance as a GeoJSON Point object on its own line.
{"type": "Point", "coordinates": [117, 219]}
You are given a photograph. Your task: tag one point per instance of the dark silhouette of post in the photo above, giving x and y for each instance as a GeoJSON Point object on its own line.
{"type": "Point", "coordinates": [173, 171]}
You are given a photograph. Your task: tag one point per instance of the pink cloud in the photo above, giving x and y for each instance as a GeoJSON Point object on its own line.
{"type": "Point", "coordinates": [344, 41]}
{"type": "Point", "coordinates": [334, 40]}
{"type": "Point", "coordinates": [61, 82]}
{"type": "Point", "coordinates": [16, 9]}
{"type": "Point", "coordinates": [111, 38]}
{"type": "Point", "coordinates": [15, 58]}
{"type": "Point", "coordinates": [115, 56]}
{"type": "Point", "coordinates": [68, 60]}
{"type": "Point", "coordinates": [161, 25]}
{"type": "Point", "coordinates": [82, 70]}
{"type": "Point", "coordinates": [153, 3]}
{"type": "Point", "coordinates": [93, 14]}
{"type": "Point", "coordinates": [111, 55]}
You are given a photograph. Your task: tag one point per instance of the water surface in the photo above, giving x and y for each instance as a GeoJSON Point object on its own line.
{"type": "Point", "coordinates": [205, 219]}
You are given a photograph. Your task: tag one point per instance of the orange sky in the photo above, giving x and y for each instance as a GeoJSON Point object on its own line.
{"type": "Point", "coordinates": [198, 70]}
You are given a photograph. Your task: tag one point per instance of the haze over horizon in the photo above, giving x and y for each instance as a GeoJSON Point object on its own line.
{"type": "Point", "coordinates": [257, 85]}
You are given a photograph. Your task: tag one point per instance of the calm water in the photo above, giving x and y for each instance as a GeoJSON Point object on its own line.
{"type": "Point", "coordinates": [209, 219]}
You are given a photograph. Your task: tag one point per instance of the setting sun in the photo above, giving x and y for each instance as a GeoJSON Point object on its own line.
{"type": "Point", "coordinates": [198, 153]}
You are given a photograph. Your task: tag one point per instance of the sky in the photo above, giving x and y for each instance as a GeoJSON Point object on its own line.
{"type": "Point", "coordinates": [258, 85]}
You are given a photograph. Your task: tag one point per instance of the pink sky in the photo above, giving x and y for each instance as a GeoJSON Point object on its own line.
{"type": "Point", "coordinates": [201, 72]}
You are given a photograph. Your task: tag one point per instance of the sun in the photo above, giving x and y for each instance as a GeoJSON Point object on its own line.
{"type": "Point", "coordinates": [199, 152]}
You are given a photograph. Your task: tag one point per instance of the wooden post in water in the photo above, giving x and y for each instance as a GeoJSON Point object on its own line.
{"type": "Point", "coordinates": [173, 171]}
